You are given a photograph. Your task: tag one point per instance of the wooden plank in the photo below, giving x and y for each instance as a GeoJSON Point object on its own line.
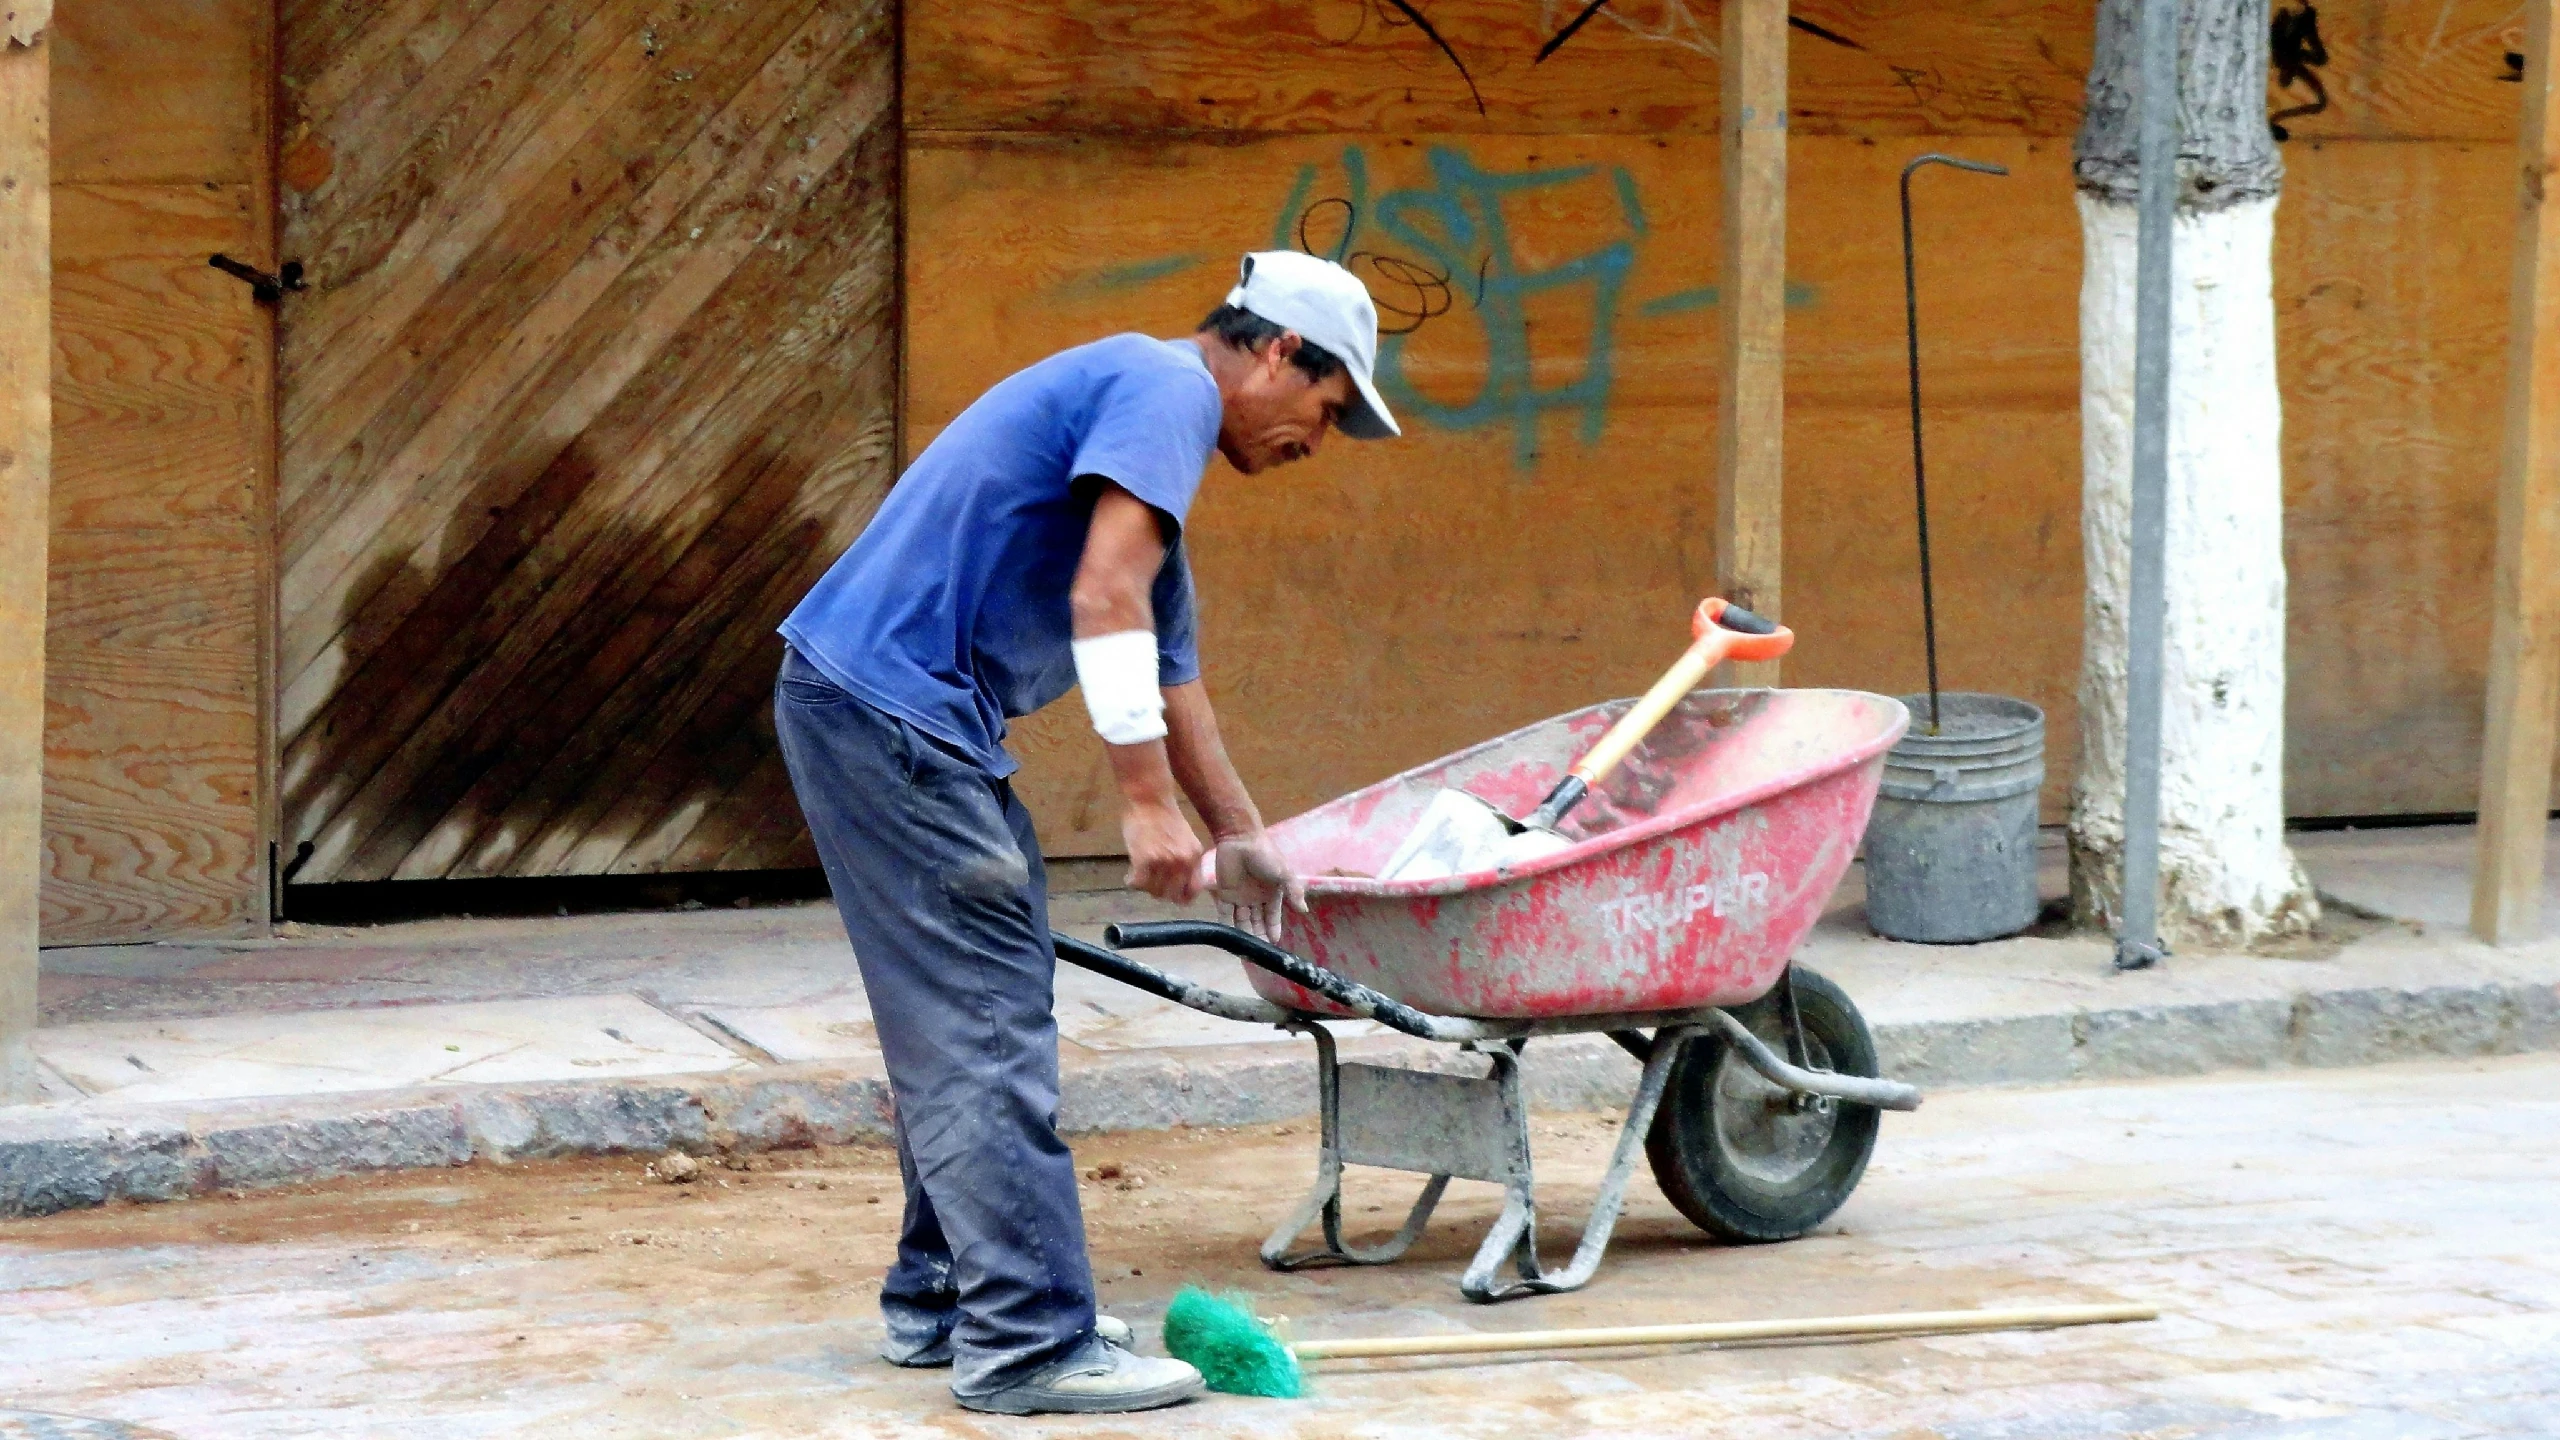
{"type": "Point", "coordinates": [153, 752]}
{"type": "Point", "coordinates": [2408, 70]}
{"type": "Point", "coordinates": [599, 383]}
{"type": "Point", "coordinates": [352, 149]}
{"type": "Point", "coordinates": [581, 534]}
{"type": "Point", "coordinates": [396, 277]}
{"type": "Point", "coordinates": [2396, 69]}
{"type": "Point", "coordinates": [378, 253]}
{"type": "Point", "coordinates": [634, 805]}
{"type": "Point", "coordinates": [156, 801]}
{"type": "Point", "coordinates": [167, 92]}
{"type": "Point", "coordinates": [2391, 359]}
{"type": "Point", "coordinates": [2392, 368]}
{"type": "Point", "coordinates": [153, 745]}
{"type": "Point", "coordinates": [26, 444]}
{"type": "Point", "coordinates": [153, 802]}
{"type": "Point", "coordinates": [267, 252]}
{"type": "Point", "coordinates": [1751, 430]}
{"type": "Point", "coordinates": [554, 366]}
{"type": "Point", "coordinates": [1565, 532]}
{"type": "Point", "coordinates": [330, 50]}
{"type": "Point", "coordinates": [2524, 638]}
{"type": "Point", "coordinates": [1869, 67]}
{"type": "Point", "coordinates": [157, 358]}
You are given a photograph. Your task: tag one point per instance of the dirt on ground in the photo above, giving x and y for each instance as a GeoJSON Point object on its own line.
{"type": "Point", "coordinates": [799, 1238]}
{"type": "Point", "coordinates": [1162, 1209]}
{"type": "Point", "coordinates": [2339, 1253]}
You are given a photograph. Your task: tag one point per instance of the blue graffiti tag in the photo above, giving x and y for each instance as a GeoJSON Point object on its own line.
{"type": "Point", "coordinates": [1435, 249]}
{"type": "Point", "coordinates": [1456, 227]}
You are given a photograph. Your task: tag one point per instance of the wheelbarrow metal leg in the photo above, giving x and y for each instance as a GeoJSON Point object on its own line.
{"type": "Point", "coordinates": [1324, 1201]}
{"type": "Point", "coordinates": [1516, 1232]}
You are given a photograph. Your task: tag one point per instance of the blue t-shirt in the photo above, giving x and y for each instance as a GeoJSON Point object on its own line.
{"type": "Point", "coordinates": [950, 612]}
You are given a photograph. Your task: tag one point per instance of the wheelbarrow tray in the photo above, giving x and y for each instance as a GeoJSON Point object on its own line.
{"type": "Point", "coordinates": [1693, 873]}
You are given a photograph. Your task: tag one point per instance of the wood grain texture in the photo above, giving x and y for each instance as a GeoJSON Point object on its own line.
{"type": "Point", "coordinates": [26, 444]}
{"type": "Point", "coordinates": [1027, 122]}
{"type": "Point", "coordinates": [1540, 536]}
{"type": "Point", "coordinates": [155, 369]}
{"type": "Point", "coordinates": [1751, 390]}
{"type": "Point", "coordinates": [153, 737]}
{"type": "Point", "coordinates": [161, 91]}
{"type": "Point", "coordinates": [2392, 360]}
{"type": "Point", "coordinates": [2524, 620]}
{"type": "Point", "coordinates": [596, 375]}
{"type": "Point", "coordinates": [1637, 67]}
{"type": "Point", "coordinates": [2397, 69]}
{"type": "Point", "coordinates": [154, 743]}
{"type": "Point", "coordinates": [2414, 70]}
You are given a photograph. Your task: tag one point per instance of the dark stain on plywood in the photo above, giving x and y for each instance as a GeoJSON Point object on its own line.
{"type": "Point", "coordinates": [597, 375]}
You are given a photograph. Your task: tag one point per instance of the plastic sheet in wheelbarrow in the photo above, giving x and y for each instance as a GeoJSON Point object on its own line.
{"type": "Point", "coordinates": [1694, 872]}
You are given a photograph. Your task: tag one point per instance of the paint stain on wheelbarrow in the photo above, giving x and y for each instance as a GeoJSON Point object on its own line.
{"type": "Point", "coordinates": [1694, 873]}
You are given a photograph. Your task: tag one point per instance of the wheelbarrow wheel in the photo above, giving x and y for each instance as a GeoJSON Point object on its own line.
{"type": "Point", "coordinates": [1747, 1161]}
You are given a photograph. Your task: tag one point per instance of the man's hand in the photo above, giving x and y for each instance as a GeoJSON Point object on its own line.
{"type": "Point", "coordinates": [1164, 854]}
{"type": "Point", "coordinates": [1254, 882]}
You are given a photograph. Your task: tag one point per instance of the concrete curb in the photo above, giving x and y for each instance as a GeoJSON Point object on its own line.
{"type": "Point", "coordinates": [61, 1157]}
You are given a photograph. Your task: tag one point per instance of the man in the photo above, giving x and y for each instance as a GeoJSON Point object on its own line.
{"type": "Point", "coordinates": [1034, 545]}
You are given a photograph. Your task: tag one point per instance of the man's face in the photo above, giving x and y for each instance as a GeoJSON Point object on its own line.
{"type": "Point", "coordinates": [1278, 415]}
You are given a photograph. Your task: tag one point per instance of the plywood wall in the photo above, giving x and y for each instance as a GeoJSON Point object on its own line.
{"type": "Point", "coordinates": [1536, 539]}
{"type": "Point", "coordinates": [596, 371]}
{"type": "Point", "coordinates": [155, 794]}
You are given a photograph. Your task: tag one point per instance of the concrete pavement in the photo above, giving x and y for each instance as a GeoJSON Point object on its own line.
{"type": "Point", "coordinates": [178, 1069]}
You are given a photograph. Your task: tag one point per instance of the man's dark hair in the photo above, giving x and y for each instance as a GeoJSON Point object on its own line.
{"type": "Point", "coordinates": [1247, 331]}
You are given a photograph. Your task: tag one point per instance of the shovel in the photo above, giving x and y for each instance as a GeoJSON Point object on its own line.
{"type": "Point", "coordinates": [1460, 834]}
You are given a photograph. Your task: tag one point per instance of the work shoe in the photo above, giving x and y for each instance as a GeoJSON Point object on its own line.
{"type": "Point", "coordinates": [1100, 1378]}
{"type": "Point", "coordinates": [935, 1354]}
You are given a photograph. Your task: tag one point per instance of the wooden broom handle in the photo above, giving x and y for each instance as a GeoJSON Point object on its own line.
{"type": "Point", "coordinates": [1715, 643]}
{"type": "Point", "coordinates": [1921, 1322]}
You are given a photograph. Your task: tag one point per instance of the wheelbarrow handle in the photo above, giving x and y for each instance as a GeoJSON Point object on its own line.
{"type": "Point", "coordinates": [1250, 1009]}
{"type": "Point", "coordinates": [1368, 1003]}
{"type": "Point", "coordinates": [1305, 974]}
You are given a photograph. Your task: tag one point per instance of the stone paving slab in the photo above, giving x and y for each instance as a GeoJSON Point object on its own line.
{"type": "Point", "coordinates": [60, 1156]}
{"type": "Point", "coordinates": [226, 1057]}
{"type": "Point", "coordinates": [580, 1030]}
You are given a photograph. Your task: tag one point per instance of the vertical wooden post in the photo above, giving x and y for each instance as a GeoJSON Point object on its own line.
{"type": "Point", "coordinates": [26, 476]}
{"type": "Point", "coordinates": [1750, 453]}
{"type": "Point", "coordinates": [2524, 635]}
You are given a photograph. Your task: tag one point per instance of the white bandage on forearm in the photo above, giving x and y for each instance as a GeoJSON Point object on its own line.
{"type": "Point", "coordinates": [1117, 673]}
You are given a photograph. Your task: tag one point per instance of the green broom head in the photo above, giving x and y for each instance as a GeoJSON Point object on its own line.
{"type": "Point", "coordinates": [1232, 1351]}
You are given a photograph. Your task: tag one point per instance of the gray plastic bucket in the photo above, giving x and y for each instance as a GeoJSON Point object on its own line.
{"type": "Point", "coordinates": [1951, 850]}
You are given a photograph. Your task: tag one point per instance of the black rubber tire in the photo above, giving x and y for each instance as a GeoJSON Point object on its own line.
{"type": "Point", "coordinates": [1761, 1178]}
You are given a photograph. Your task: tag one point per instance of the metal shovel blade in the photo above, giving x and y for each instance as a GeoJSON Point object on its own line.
{"type": "Point", "coordinates": [1460, 834]}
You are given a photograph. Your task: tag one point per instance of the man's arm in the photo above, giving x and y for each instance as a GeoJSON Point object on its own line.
{"type": "Point", "coordinates": [1123, 549]}
{"type": "Point", "coordinates": [1254, 879]}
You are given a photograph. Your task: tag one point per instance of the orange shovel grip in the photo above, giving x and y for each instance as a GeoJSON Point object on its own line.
{"type": "Point", "coordinates": [1721, 635]}
{"type": "Point", "coordinates": [1752, 638]}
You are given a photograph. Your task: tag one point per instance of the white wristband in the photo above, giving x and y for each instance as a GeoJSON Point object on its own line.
{"type": "Point", "coordinates": [1117, 673]}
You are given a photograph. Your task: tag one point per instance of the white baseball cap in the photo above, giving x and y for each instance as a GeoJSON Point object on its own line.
{"type": "Point", "coordinates": [1328, 307]}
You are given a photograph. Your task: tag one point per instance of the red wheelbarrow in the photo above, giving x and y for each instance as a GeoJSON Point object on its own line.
{"type": "Point", "coordinates": [1667, 924]}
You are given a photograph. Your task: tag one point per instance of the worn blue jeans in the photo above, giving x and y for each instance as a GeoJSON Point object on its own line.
{"type": "Point", "coordinates": [938, 877]}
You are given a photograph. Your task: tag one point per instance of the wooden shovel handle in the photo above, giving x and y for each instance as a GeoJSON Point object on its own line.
{"type": "Point", "coordinates": [1714, 645]}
